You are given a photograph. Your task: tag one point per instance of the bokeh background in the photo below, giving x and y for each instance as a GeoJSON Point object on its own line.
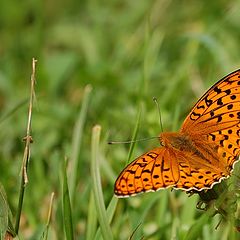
{"type": "Point", "coordinates": [127, 52]}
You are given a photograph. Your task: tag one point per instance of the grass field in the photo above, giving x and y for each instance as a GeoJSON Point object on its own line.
{"type": "Point", "coordinates": [99, 66]}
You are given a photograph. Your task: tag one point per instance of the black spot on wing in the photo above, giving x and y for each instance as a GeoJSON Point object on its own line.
{"type": "Point", "coordinates": [208, 101]}
{"type": "Point", "coordinates": [217, 90]}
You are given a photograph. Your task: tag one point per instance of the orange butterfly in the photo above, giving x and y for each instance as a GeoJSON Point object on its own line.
{"type": "Point", "coordinates": [197, 157]}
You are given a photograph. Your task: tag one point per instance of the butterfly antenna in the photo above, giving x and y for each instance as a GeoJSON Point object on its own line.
{"type": "Point", "coordinates": [159, 113]}
{"type": "Point", "coordinates": [132, 141]}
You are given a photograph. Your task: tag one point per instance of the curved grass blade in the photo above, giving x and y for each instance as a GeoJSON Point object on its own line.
{"type": "Point", "coordinates": [67, 211]}
{"type": "Point", "coordinates": [92, 218]}
{"type": "Point", "coordinates": [97, 187]}
{"type": "Point", "coordinates": [110, 213]}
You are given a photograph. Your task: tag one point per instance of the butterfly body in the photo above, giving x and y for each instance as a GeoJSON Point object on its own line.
{"type": "Point", "coordinates": [197, 157]}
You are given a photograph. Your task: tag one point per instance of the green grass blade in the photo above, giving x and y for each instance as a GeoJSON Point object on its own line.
{"type": "Point", "coordinates": [3, 213]}
{"type": "Point", "coordinates": [153, 42]}
{"type": "Point", "coordinates": [135, 132]}
{"type": "Point", "coordinates": [92, 219]}
{"type": "Point", "coordinates": [97, 187]}
{"type": "Point", "coordinates": [77, 140]}
{"type": "Point", "coordinates": [196, 229]}
{"type": "Point", "coordinates": [113, 204]}
{"type": "Point", "coordinates": [6, 225]}
{"type": "Point", "coordinates": [110, 213]}
{"type": "Point", "coordinates": [67, 212]}
{"type": "Point", "coordinates": [14, 109]}
{"type": "Point", "coordinates": [46, 230]}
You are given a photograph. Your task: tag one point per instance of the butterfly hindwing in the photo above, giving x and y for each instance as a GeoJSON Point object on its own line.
{"type": "Point", "coordinates": [163, 168]}
{"type": "Point", "coordinates": [151, 171]}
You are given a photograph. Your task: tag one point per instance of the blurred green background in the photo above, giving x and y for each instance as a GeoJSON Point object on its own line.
{"type": "Point", "coordinates": [129, 52]}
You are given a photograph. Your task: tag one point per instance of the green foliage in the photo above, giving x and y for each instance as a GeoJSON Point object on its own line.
{"type": "Point", "coordinates": [97, 187]}
{"type": "Point", "coordinates": [127, 52]}
{"type": "Point", "coordinates": [67, 211]}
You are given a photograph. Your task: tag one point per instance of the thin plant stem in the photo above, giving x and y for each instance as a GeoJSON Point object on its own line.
{"type": "Point", "coordinates": [26, 156]}
{"type": "Point", "coordinates": [50, 211]}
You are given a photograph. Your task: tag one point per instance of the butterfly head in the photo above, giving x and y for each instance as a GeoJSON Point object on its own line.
{"type": "Point", "coordinates": [174, 140]}
{"type": "Point", "coordinates": [166, 138]}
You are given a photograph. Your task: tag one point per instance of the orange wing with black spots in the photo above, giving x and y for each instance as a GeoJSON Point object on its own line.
{"type": "Point", "coordinates": [217, 109]}
{"type": "Point", "coordinates": [163, 168]}
{"type": "Point", "coordinates": [217, 115]}
{"type": "Point", "coordinates": [200, 155]}
{"type": "Point", "coordinates": [149, 172]}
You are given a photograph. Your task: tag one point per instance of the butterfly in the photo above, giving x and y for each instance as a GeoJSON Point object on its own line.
{"type": "Point", "coordinates": [200, 155]}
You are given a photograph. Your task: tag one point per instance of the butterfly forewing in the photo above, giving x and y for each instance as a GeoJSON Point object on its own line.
{"type": "Point", "coordinates": [218, 108]}
{"type": "Point", "coordinates": [228, 141]}
{"type": "Point", "coordinates": [217, 116]}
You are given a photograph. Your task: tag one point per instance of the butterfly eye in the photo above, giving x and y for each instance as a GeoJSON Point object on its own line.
{"type": "Point", "coordinates": [161, 141]}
